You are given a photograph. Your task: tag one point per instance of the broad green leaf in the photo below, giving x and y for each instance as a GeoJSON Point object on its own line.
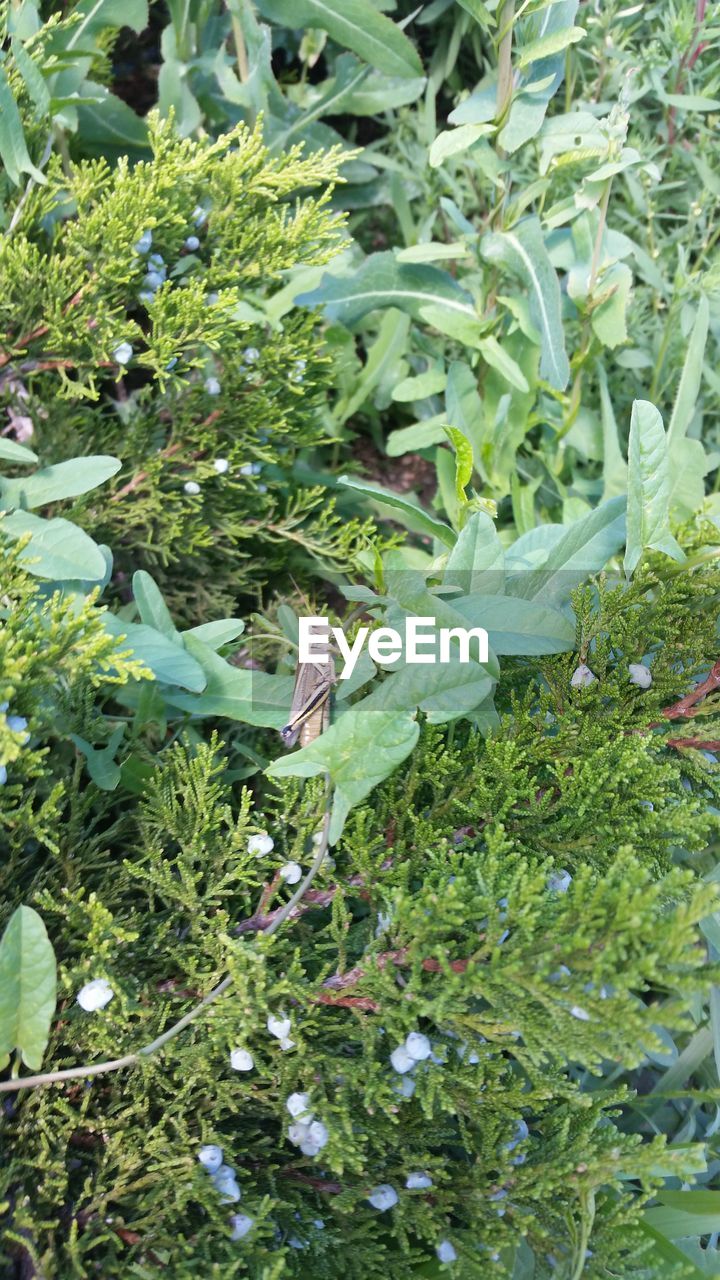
{"type": "Point", "coordinates": [13, 148]}
{"type": "Point", "coordinates": [648, 503]}
{"type": "Point", "coordinates": [382, 282]}
{"type": "Point", "coordinates": [354, 24]}
{"type": "Point", "coordinates": [691, 377]}
{"type": "Point", "coordinates": [518, 627]}
{"type": "Point", "coordinates": [383, 357]}
{"type": "Point", "coordinates": [582, 548]}
{"type": "Point", "coordinates": [614, 464]}
{"type": "Point", "coordinates": [421, 435]}
{"type": "Point", "coordinates": [101, 763]}
{"type": "Point", "coordinates": [609, 316]}
{"type": "Point", "coordinates": [97, 15]}
{"type": "Point", "coordinates": [476, 562]}
{"type": "Point", "coordinates": [421, 520]}
{"type": "Point", "coordinates": [34, 81]}
{"type": "Point", "coordinates": [452, 142]}
{"type": "Point", "coordinates": [686, 1213]}
{"type": "Point", "coordinates": [57, 482]}
{"type": "Point", "coordinates": [688, 460]}
{"type": "Point", "coordinates": [17, 453]}
{"type": "Point", "coordinates": [443, 691]}
{"type": "Point", "coordinates": [420, 386]}
{"type": "Point", "coordinates": [546, 46]}
{"type": "Point", "coordinates": [359, 751]}
{"type": "Point", "coordinates": [502, 361]}
{"type": "Point", "coordinates": [252, 697]}
{"type": "Point", "coordinates": [522, 251]}
{"type": "Point", "coordinates": [216, 634]}
{"type": "Point", "coordinates": [28, 988]}
{"type": "Point", "coordinates": [169, 662]}
{"type": "Point", "coordinates": [107, 124]}
{"type": "Point", "coordinates": [153, 609]}
{"type": "Point", "coordinates": [57, 550]}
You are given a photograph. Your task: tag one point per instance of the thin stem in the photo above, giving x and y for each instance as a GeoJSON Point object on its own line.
{"type": "Point", "coordinates": [240, 48]}
{"type": "Point", "coordinates": [132, 1059]}
{"type": "Point", "coordinates": [505, 74]}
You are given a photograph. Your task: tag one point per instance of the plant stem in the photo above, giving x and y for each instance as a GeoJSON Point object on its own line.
{"type": "Point", "coordinates": [132, 1059]}
{"type": "Point", "coordinates": [505, 75]}
{"type": "Point", "coordinates": [240, 48]}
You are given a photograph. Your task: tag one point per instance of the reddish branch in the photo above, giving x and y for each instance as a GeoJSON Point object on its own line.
{"type": "Point", "coordinates": [261, 919]}
{"type": "Point", "coordinates": [687, 62]}
{"type": "Point", "coordinates": [687, 706]}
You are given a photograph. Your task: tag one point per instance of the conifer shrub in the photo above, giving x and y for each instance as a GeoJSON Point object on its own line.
{"type": "Point", "coordinates": [408, 1078]}
{"type": "Point", "coordinates": [141, 316]}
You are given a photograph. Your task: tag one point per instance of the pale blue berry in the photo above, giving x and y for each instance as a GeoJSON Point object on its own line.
{"type": "Point", "coordinates": [580, 1013]}
{"type": "Point", "coordinates": [192, 487]}
{"type": "Point", "coordinates": [298, 1104]}
{"type": "Point", "coordinates": [211, 1157]}
{"type": "Point", "coordinates": [383, 1197]}
{"type": "Point", "coordinates": [401, 1060]}
{"type": "Point", "coordinates": [445, 1251]}
{"type": "Point", "coordinates": [221, 465]}
{"type": "Point", "coordinates": [3, 775]}
{"type": "Point", "coordinates": [192, 243]}
{"type": "Point", "coordinates": [212, 386]}
{"type": "Point", "coordinates": [143, 244]}
{"type": "Point", "coordinates": [146, 296]}
{"type": "Point", "coordinates": [581, 677]}
{"type": "Point", "coordinates": [153, 280]}
{"type": "Point", "coordinates": [405, 1086]}
{"type": "Point", "coordinates": [418, 1181]}
{"type": "Point", "coordinates": [241, 1224]}
{"type": "Point", "coordinates": [640, 675]}
{"type": "Point", "coordinates": [418, 1046]}
{"type": "Point", "coordinates": [123, 353]}
{"type": "Point", "coordinates": [559, 881]}
{"type": "Point", "coordinates": [521, 1133]}
{"type": "Point", "coordinates": [251, 354]}
{"type": "Point", "coordinates": [199, 215]}
{"type": "Point", "coordinates": [18, 724]}
{"type": "Point", "coordinates": [241, 1060]}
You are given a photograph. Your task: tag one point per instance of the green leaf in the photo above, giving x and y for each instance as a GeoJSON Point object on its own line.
{"type": "Point", "coordinates": [452, 142]}
{"type": "Point", "coordinates": [57, 482]}
{"type": "Point", "coordinates": [17, 453]}
{"type": "Point", "coordinates": [463, 462]}
{"type": "Point", "coordinates": [252, 697]}
{"type": "Point", "coordinates": [648, 503]}
{"type": "Point", "coordinates": [382, 282]}
{"type": "Point", "coordinates": [518, 627]}
{"type": "Point", "coordinates": [522, 251]}
{"type": "Point", "coordinates": [101, 764]}
{"type": "Point", "coordinates": [28, 988]}
{"type": "Point", "coordinates": [573, 552]}
{"type": "Point", "coordinates": [686, 1213]}
{"type": "Point", "coordinates": [614, 464]}
{"type": "Point", "coordinates": [34, 82]}
{"type": "Point", "coordinates": [421, 435]}
{"type": "Point", "coordinates": [57, 550]}
{"type": "Point", "coordinates": [548, 45]}
{"type": "Point", "coordinates": [500, 360]}
{"type": "Point", "coordinates": [354, 24]}
{"type": "Point", "coordinates": [688, 460]}
{"type": "Point", "coordinates": [153, 609]}
{"type": "Point", "coordinates": [421, 386]}
{"type": "Point", "coordinates": [97, 15]}
{"type": "Point", "coordinates": [13, 149]}
{"type": "Point", "coordinates": [107, 124]}
{"type": "Point", "coordinates": [219, 633]}
{"type": "Point", "coordinates": [169, 662]}
{"type": "Point", "coordinates": [421, 520]}
{"type": "Point", "coordinates": [477, 562]}
{"type": "Point", "coordinates": [609, 317]}
{"type": "Point", "coordinates": [359, 751]}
